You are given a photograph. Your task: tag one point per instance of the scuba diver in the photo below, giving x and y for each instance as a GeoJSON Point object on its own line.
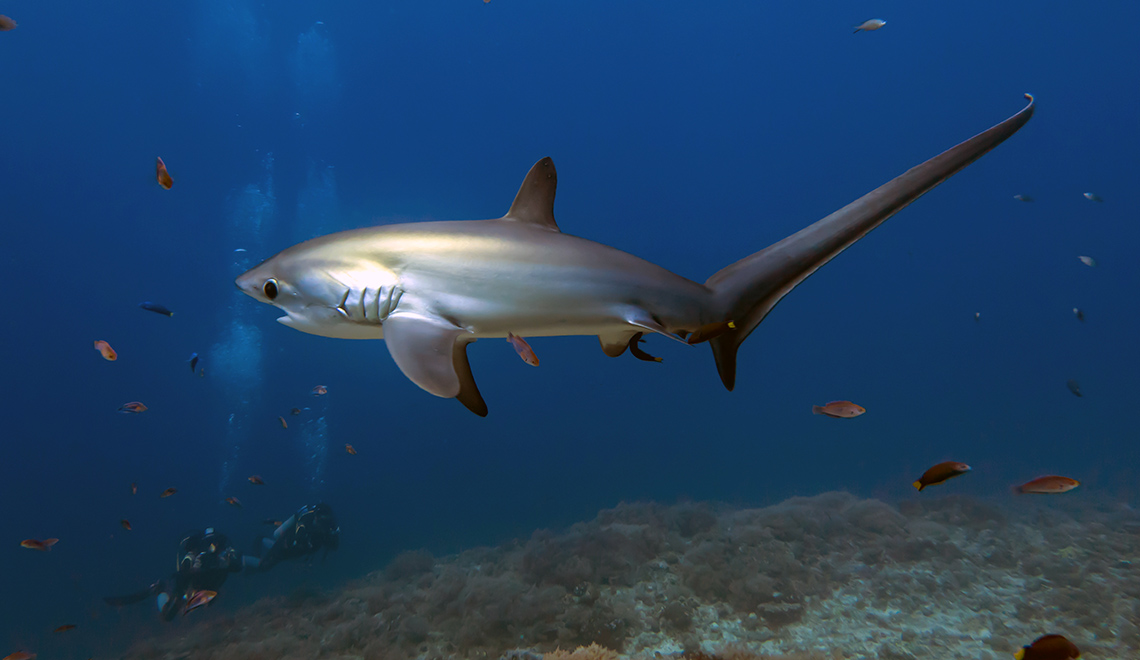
{"type": "Point", "coordinates": [204, 561]}
{"type": "Point", "coordinates": [312, 528]}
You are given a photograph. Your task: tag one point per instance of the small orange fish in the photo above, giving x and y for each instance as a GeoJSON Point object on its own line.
{"type": "Point", "coordinates": [126, 524]}
{"type": "Point", "coordinates": [199, 599]}
{"type": "Point", "coordinates": [295, 411]}
{"type": "Point", "coordinates": [106, 351]}
{"type": "Point", "coordinates": [134, 488]}
{"type": "Point", "coordinates": [270, 521]}
{"type": "Point", "coordinates": [233, 501]}
{"type": "Point", "coordinates": [163, 176]}
{"type": "Point", "coordinates": [42, 546]}
{"type": "Point", "coordinates": [168, 492]}
{"type": "Point", "coordinates": [65, 628]}
{"type": "Point", "coordinates": [1047, 485]}
{"type": "Point", "coordinates": [350, 449]}
{"type": "Point", "coordinates": [1049, 647]}
{"type": "Point", "coordinates": [839, 410]}
{"type": "Point", "coordinates": [524, 350]}
{"type": "Point", "coordinates": [20, 655]}
{"type": "Point", "coordinates": [5, 25]}
{"type": "Point", "coordinates": [132, 407]}
{"type": "Point", "coordinates": [256, 480]}
{"type": "Point", "coordinates": [940, 473]}
{"type": "Point", "coordinates": [320, 390]}
{"type": "Point", "coordinates": [284, 425]}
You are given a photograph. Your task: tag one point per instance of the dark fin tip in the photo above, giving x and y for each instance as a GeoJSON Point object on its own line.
{"type": "Point", "coordinates": [469, 394]}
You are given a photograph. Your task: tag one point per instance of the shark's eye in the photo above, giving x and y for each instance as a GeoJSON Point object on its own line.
{"type": "Point", "coordinates": [270, 288]}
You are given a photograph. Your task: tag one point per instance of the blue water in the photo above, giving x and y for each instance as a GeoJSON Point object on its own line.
{"type": "Point", "coordinates": [690, 134]}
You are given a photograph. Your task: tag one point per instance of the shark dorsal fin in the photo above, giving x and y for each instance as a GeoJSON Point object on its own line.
{"type": "Point", "coordinates": [534, 204]}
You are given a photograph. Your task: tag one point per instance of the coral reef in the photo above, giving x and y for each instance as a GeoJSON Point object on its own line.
{"type": "Point", "coordinates": [830, 576]}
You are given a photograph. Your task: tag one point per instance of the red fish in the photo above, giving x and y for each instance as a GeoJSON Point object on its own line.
{"type": "Point", "coordinates": [132, 407]}
{"type": "Point", "coordinates": [5, 25]}
{"type": "Point", "coordinates": [294, 411]}
{"type": "Point", "coordinates": [524, 350]}
{"type": "Point", "coordinates": [839, 409]}
{"type": "Point", "coordinates": [234, 502]}
{"type": "Point", "coordinates": [199, 599]}
{"type": "Point", "coordinates": [126, 524]}
{"type": "Point", "coordinates": [65, 628]}
{"type": "Point", "coordinates": [350, 449]}
{"type": "Point", "coordinates": [20, 655]}
{"type": "Point", "coordinates": [284, 424]}
{"type": "Point", "coordinates": [106, 351]}
{"type": "Point", "coordinates": [320, 390]}
{"type": "Point", "coordinates": [168, 492]}
{"type": "Point", "coordinates": [1049, 647]}
{"type": "Point", "coordinates": [256, 480]}
{"type": "Point", "coordinates": [134, 488]}
{"type": "Point", "coordinates": [940, 473]}
{"type": "Point", "coordinates": [1047, 485]}
{"type": "Point", "coordinates": [163, 176]}
{"type": "Point", "coordinates": [42, 546]}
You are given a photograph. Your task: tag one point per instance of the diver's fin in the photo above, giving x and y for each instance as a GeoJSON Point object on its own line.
{"type": "Point", "coordinates": [131, 599]}
{"type": "Point", "coordinates": [534, 202]}
{"type": "Point", "coordinates": [426, 349]}
{"type": "Point", "coordinates": [749, 289]}
{"type": "Point", "coordinates": [468, 391]}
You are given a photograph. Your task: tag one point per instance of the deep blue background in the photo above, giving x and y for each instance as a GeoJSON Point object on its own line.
{"type": "Point", "coordinates": [690, 134]}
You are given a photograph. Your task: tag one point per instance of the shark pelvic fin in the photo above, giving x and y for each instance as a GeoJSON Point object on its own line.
{"type": "Point", "coordinates": [615, 345]}
{"type": "Point", "coordinates": [424, 349]}
{"type": "Point", "coordinates": [534, 203]}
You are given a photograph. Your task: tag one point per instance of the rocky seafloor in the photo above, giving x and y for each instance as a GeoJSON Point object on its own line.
{"type": "Point", "coordinates": [830, 576]}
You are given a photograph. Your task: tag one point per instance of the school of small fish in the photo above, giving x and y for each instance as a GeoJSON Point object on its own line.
{"type": "Point", "coordinates": [1047, 647]}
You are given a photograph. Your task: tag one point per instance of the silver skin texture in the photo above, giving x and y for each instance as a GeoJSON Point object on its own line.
{"type": "Point", "coordinates": [431, 288]}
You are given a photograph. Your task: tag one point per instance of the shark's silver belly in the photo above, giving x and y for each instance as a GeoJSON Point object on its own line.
{"type": "Point", "coordinates": [496, 277]}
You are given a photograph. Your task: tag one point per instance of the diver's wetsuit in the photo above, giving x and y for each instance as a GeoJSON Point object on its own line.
{"type": "Point", "coordinates": [204, 561]}
{"type": "Point", "coordinates": [312, 528]}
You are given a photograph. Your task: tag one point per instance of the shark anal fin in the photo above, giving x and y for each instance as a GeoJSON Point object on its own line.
{"type": "Point", "coordinates": [424, 349]}
{"type": "Point", "coordinates": [468, 391]}
{"type": "Point", "coordinates": [636, 351]}
{"type": "Point", "coordinates": [534, 203]}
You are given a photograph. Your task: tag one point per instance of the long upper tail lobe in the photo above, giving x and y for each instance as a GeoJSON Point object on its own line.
{"type": "Point", "coordinates": [749, 289]}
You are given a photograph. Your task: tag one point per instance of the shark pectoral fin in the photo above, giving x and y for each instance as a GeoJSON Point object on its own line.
{"type": "Point", "coordinates": [534, 203]}
{"type": "Point", "coordinates": [424, 349]}
{"type": "Point", "coordinates": [468, 391]}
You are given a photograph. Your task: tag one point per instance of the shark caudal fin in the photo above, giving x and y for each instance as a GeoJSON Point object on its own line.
{"type": "Point", "coordinates": [749, 289]}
